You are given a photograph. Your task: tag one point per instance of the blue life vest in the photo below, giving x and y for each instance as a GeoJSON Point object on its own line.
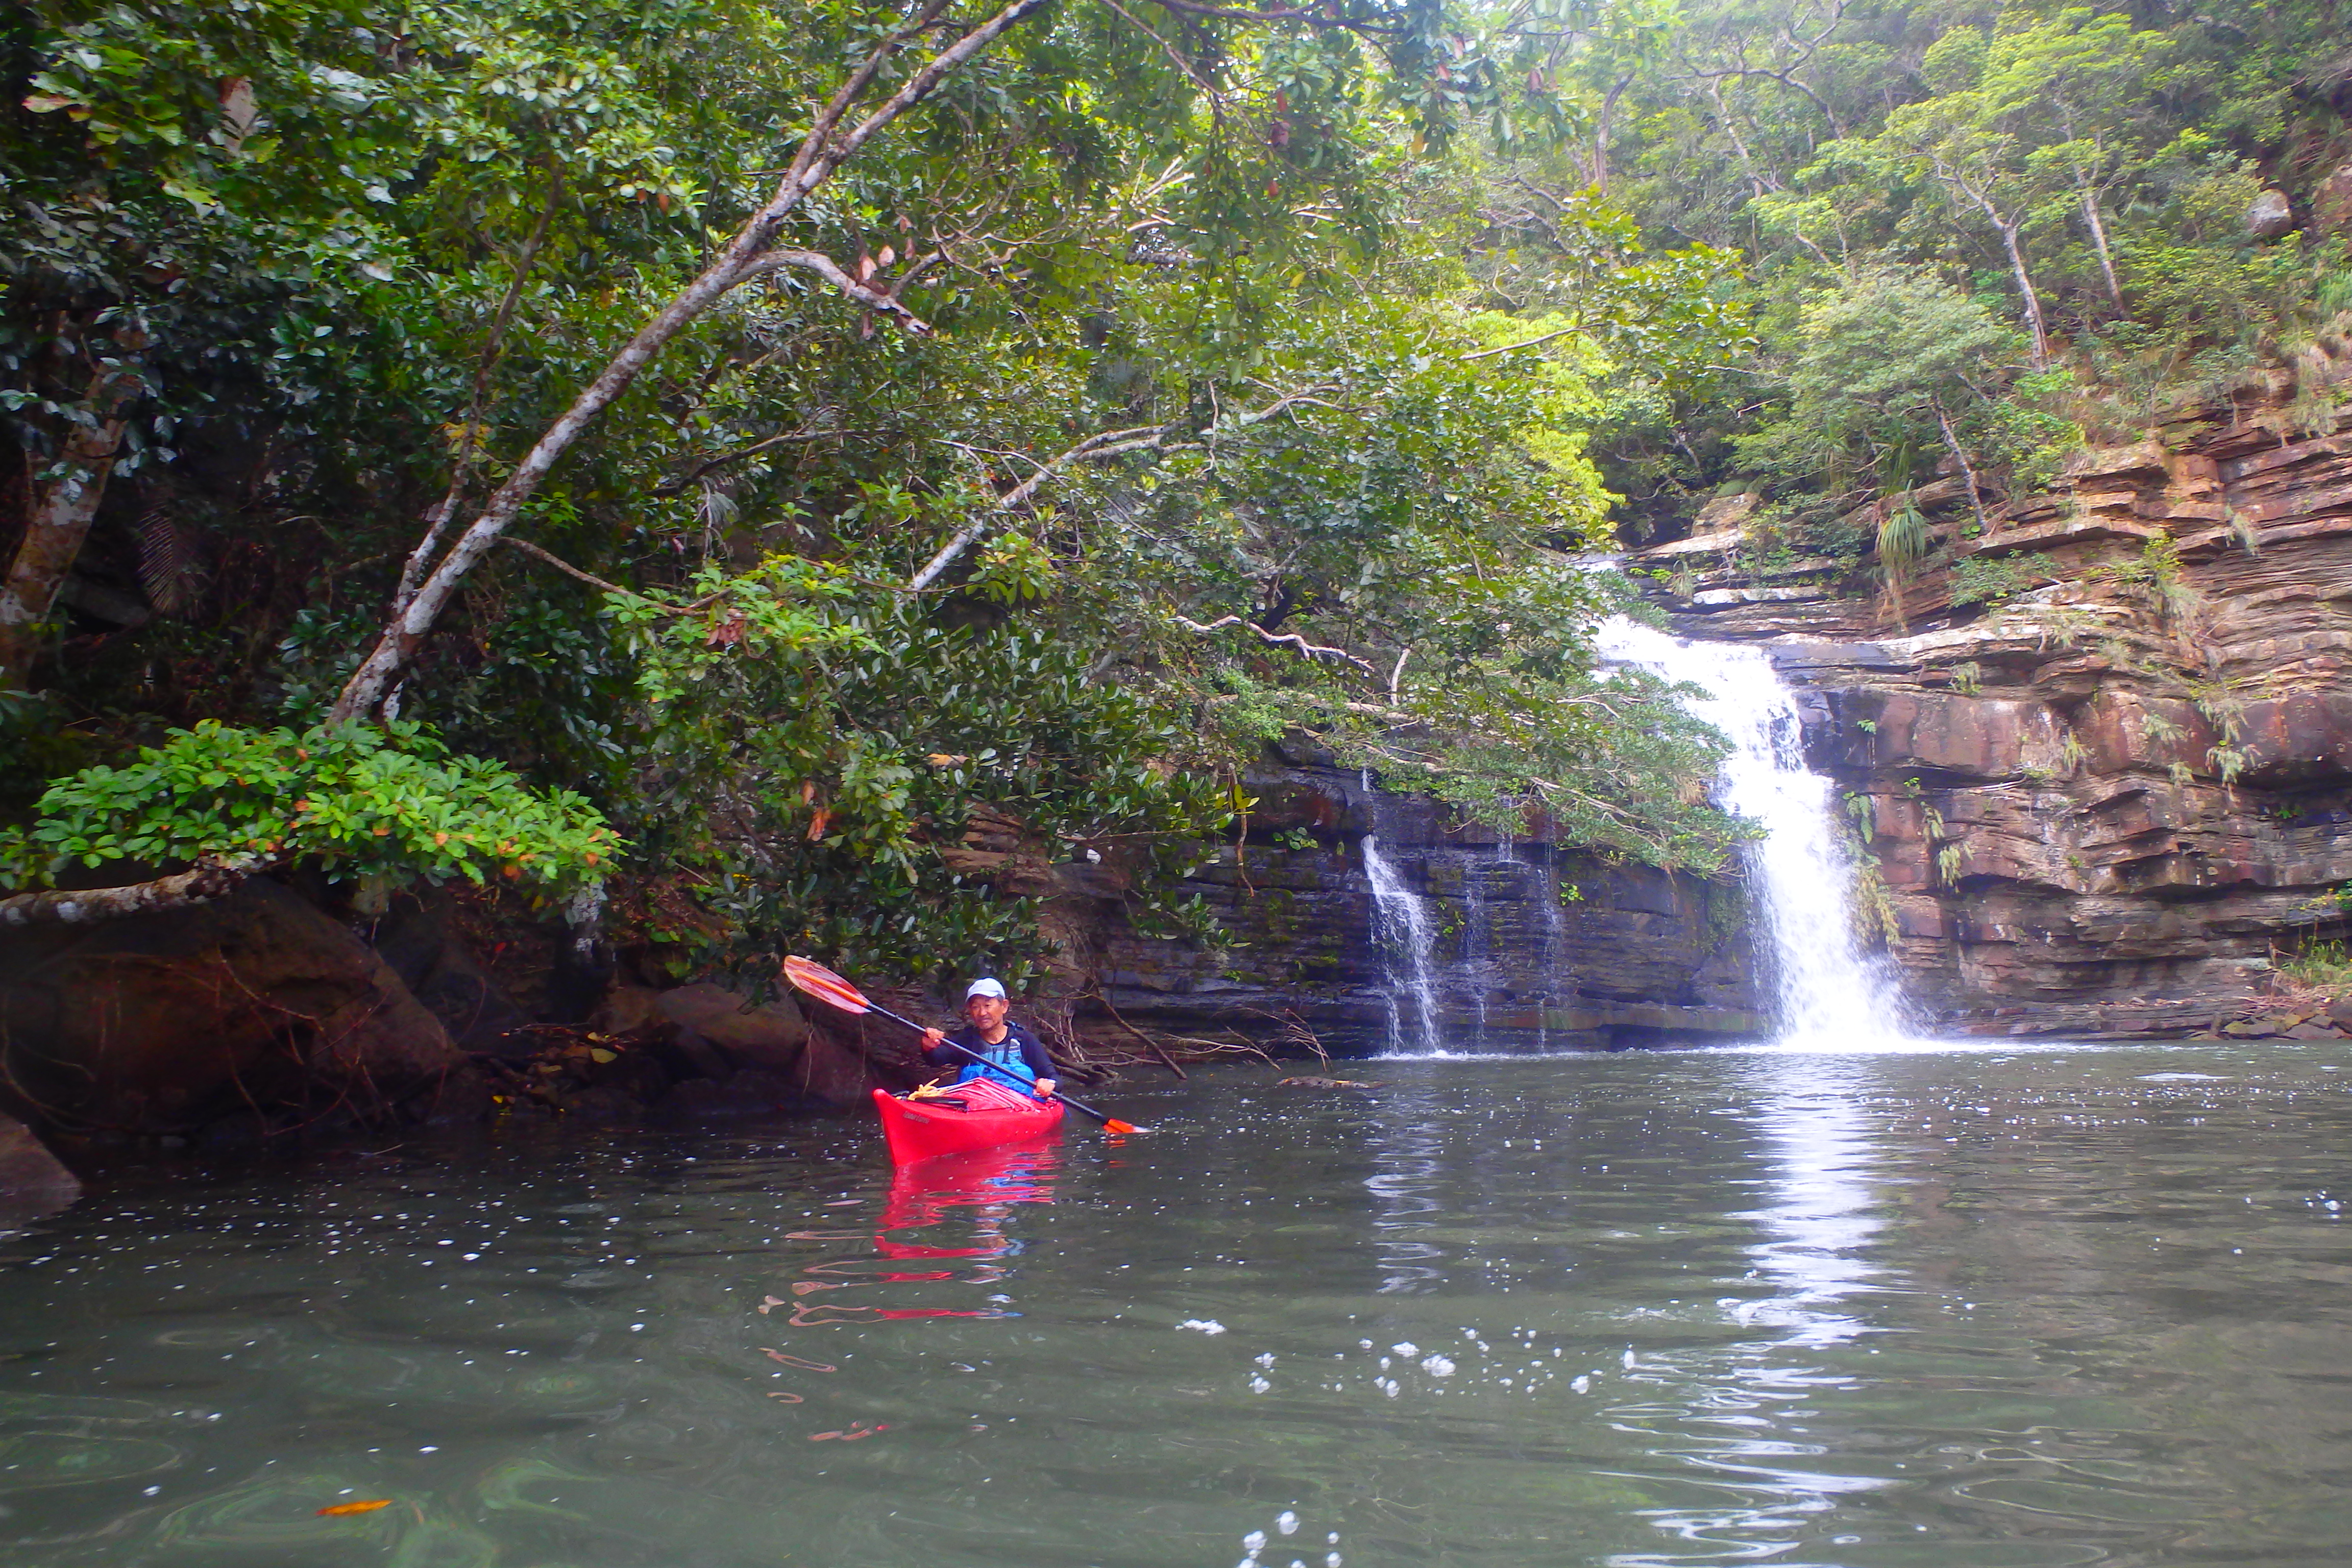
{"type": "Point", "coordinates": [1005, 1056]}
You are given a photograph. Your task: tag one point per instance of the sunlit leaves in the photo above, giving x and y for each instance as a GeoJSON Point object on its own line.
{"type": "Point", "coordinates": [362, 803]}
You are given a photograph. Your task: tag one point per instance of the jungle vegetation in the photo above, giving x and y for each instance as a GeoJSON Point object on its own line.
{"type": "Point", "coordinates": [698, 454]}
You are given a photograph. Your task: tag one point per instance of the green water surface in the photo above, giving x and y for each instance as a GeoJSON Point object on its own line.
{"type": "Point", "coordinates": [1950, 1309]}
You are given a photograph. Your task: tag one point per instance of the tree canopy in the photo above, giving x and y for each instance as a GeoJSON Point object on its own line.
{"type": "Point", "coordinates": [776, 436]}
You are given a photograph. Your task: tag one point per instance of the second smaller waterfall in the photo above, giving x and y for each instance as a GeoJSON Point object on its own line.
{"type": "Point", "coordinates": [1400, 922]}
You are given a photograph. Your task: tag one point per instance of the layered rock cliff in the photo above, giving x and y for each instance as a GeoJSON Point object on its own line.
{"type": "Point", "coordinates": [2105, 804]}
{"type": "Point", "coordinates": [1532, 945]}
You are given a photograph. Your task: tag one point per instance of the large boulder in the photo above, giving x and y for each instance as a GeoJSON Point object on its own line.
{"type": "Point", "coordinates": [766, 1035]}
{"type": "Point", "coordinates": [2270, 216]}
{"type": "Point", "coordinates": [258, 1008]}
{"type": "Point", "coordinates": [771, 1042]}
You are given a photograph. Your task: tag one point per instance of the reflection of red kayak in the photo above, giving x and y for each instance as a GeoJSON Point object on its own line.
{"type": "Point", "coordinates": [986, 1185]}
{"type": "Point", "coordinates": [920, 1129]}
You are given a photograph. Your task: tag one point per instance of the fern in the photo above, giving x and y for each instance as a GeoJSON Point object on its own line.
{"type": "Point", "coordinates": [169, 570]}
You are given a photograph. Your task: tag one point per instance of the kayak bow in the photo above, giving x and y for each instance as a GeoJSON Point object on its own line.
{"type": "Point", "coordinates": [922, 1128]}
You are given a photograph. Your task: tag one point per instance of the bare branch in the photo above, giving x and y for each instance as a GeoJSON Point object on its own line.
{"type": "Point", "coordinates": [58, 518]}
{"type": "Point", "coordinates": [1102, 444]}
{"type": "Point", "coordinates": [768, 443]}
{"type": "Point", "coordinates": [1179, 61]}
{"type": "Point", "coordinates": [1282, 640]}
{"type": "Point", "coordinates": [821, 129]}
{"type": "Point", "coordinates": [824, 267]}
{"type": "Point", "coordinates": [569, 570]}
{"type": "Point", "coordinates": [212, 878]}
{"type": "Point", "coordinates": [1312, 18]}
{"type": "Point", "coordinates": [1531, 343]}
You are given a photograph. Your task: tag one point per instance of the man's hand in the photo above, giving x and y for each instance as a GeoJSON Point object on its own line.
{"type": "Point", "coordinates": [933, 1040]}
{"type": "Point", "coordinates": [1045, 1089]}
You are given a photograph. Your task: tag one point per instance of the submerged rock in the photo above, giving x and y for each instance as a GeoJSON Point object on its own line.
{"type": "Point", "coordinates": [33, 1182]}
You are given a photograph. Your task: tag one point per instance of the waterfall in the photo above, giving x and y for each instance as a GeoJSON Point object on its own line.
{"type": "Point", "coordinates": [1401, 926]}
{"type": "Point", "coordinates": [1558, 988]}
{"type": "Point", "coordinates": [1829, 992]}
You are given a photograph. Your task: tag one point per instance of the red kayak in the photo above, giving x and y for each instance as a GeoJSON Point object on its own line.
{"type": "Point", "coordinates": [987, 1116]}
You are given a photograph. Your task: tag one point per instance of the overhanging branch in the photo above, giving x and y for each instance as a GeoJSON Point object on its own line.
{"type": "Point", "coordinates": [1280, 639]}
{"type": "Point", "coordinates": [212, 878]}
{"type": "Point", "coordinates": [831, 271]}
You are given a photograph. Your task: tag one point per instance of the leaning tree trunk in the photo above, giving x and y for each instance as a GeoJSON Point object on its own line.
{"type": "Point", "coordinates": [2099, 240]}
{"type": "Point", "coordinates": [59, 520]}
{"type": "Point", "coordinates": [750, 254]}
{"type": "Point", "coordinates": [2033, 319]}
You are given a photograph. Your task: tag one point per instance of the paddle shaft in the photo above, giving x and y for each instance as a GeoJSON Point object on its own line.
{"type": "Point", "coordinates": [975, 1056]}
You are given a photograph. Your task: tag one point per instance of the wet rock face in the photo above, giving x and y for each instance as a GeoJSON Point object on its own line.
{"type": "Point", "coordinates": [2100, 807]}
{"type": "Point", "coordinates": [258, 1008]}
{"type": "Point", "coordinates": [1535, 946]}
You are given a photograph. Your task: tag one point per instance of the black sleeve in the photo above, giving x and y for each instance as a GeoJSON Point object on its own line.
{"type": "Point", "coordinates": [1033, 1054]}
{"type": "Point", "coordinates": [941, 1056]}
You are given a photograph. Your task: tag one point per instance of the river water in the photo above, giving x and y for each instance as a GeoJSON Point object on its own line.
{"type": "Point", "coordinates": [1939, 1309]}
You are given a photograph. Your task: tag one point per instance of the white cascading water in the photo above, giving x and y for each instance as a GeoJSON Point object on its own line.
{"type": "Point", "coordinates": [1403, 929]}
{"type": "Point", "coordinates": [1830, 994]}
{"type": "Point", "coordinates": [1401, 926]}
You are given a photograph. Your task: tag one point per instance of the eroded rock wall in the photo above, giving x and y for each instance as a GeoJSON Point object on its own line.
{"type": "Point", "coordinates": [2103, 805]}
{"type": "Point", "coordinates": [1535, 945]}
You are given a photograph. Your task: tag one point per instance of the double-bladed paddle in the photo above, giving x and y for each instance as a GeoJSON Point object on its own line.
{"type": "Point", "coordinates": [826, 986]}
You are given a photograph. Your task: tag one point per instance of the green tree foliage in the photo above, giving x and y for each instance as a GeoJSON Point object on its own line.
{"type": "Point", "coordinates": [373, 807]}
{"type": "Point", "coordinates": [2078, 176]}
{"type": "Point", "coordinates": [1143, 391]}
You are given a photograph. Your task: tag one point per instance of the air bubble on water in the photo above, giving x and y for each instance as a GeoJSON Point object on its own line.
{"type": "Point", "coordinates": [1406, 1348]}
{"type": "Point", "coordinates": [1259, 1385]}
{"type": "Point", "coordinates": [1254, 1543]}
{"type": "Point", "coordinates": [1287, 1522]}
{"type": "Point", "coordinates": [1582, 1383]}
{"type": "Point", "coordinates": [1628, 1355]}
{"type": "Point", "coordinates": [1363, 1344]}
{"type": "Point", "coordinates": [1206, 1325]}
{"type": "Point", "coordinates": [1265, 1358]}
{"type": "Point", "coordinates": [1436, 1365]}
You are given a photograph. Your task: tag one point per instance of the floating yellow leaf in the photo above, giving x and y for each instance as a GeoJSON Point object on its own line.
{"type": "Point", "coordinates": [337, 1511]}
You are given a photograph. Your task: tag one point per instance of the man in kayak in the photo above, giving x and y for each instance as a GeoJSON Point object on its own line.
{"type": "Point", "coordinates": [988, 1032]}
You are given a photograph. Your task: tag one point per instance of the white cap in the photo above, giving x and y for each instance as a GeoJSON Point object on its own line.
{"type": "Point", "coordinates": [984, 988]}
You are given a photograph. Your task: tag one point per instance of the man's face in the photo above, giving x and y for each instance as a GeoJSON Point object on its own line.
{"type": "Point", "coordinates": [986, 1011]}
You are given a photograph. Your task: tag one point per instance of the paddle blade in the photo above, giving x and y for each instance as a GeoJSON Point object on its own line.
{"type": "Point", "coordinates": [824, 985]}
{"type": "Point", "coordinates": [1113, 1124]}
